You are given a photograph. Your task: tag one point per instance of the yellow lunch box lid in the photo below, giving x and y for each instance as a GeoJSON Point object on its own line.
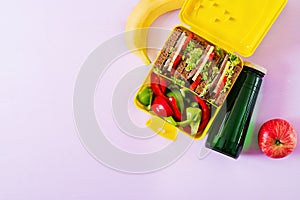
{"type": "Point", "coordinates": [235, 25]}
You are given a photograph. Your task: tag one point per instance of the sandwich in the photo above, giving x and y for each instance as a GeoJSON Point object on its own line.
{"type": "Point", "coordinates": [206, 69]}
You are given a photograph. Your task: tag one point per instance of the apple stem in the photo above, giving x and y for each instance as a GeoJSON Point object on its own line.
{"type": "Point", "coordinates": [277, 142]}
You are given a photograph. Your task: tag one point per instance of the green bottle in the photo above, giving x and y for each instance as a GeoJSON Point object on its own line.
{"type": "Point", "coordinates": [228, 131]}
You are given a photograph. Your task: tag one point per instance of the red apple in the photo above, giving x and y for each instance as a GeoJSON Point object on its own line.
{"type": "Point", "coordinates": [277, 138]}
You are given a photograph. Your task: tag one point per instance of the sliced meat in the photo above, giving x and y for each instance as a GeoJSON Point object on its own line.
{"type": "Point", "coordinates": [217, 78]}
{"type": "Point", "coordinates": [202, 64]}
{"type": "Point", "coordinates": [222, 96]}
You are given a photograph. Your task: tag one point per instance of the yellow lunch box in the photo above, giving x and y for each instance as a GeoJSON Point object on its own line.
{"type": "Point", "coordinates": [196, 68]}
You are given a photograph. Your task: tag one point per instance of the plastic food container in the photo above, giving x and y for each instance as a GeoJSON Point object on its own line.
{"type": "Point", "coordinates": [196, 68]}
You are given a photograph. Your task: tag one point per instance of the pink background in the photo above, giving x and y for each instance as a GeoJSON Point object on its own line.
{"type": "Point", "coordinates": [43, 45]}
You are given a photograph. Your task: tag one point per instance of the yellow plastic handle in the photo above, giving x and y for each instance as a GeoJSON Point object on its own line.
{"type": "Point", "coordinates": [162, 128]}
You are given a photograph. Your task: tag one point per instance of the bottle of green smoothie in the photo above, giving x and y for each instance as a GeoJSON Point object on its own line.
{"type": "Point", "coordinates": [228, 131]}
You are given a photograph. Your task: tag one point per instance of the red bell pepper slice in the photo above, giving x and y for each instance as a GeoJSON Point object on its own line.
{"type": "Point", "coordinates": [162, 84]}
{"type": "Point", "coordinates": [188, 39]}
{"type": "Point", "coordinates": [176, 111]}
{"type": "Point", "coordinates": [177, 61]}
{"type": "Point", "coordinates": [211, 56]}
{"type": "Point", "coordinates": [158, 85]}
{"type": "Point", "coordinates": [205, 113]}
{"type": "Point", "coordinates": [195, 83]}
{"type": "Point", "coordinates": [161, 107]}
